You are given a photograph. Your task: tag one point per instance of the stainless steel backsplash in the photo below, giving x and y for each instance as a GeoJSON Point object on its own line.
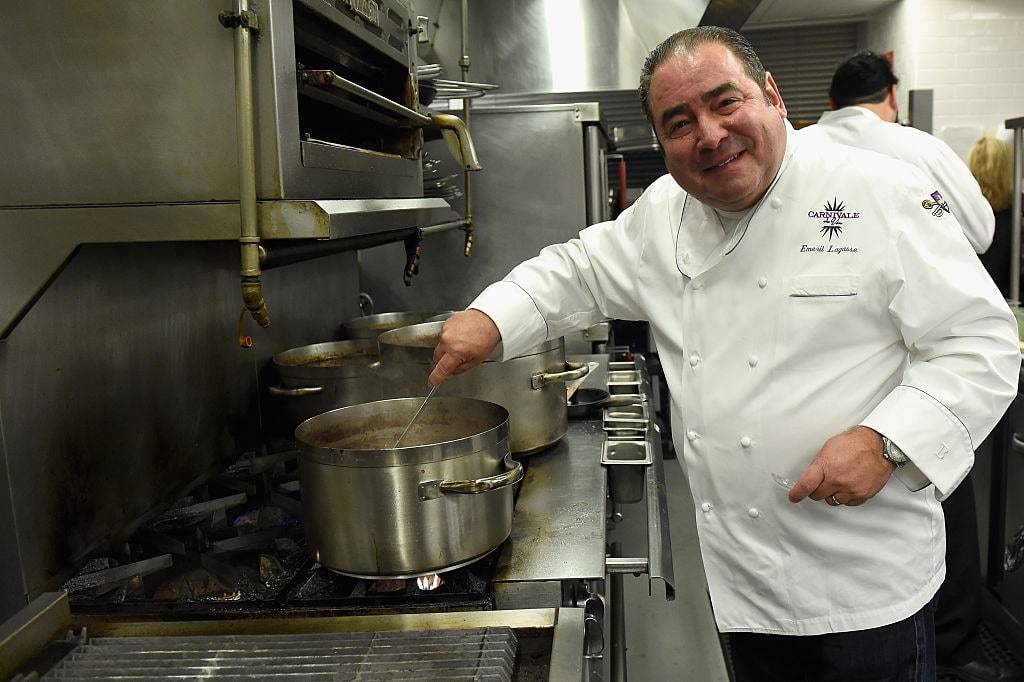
{"type": "Point", "coordinates": [126, 382]}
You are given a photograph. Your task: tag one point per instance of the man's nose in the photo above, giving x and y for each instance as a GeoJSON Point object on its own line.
{"type": "Point", "coordinates": [710, 132]}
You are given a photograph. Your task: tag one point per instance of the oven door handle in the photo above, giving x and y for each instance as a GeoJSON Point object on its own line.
{"type": "Point", "coordinates": [294, 392]}
{"type": "Point", "coordinates": [326, 77]}
{"type": "Point", "coordinates": [453, 128]}
{"type": "Point", "coordinates": [430, 490]}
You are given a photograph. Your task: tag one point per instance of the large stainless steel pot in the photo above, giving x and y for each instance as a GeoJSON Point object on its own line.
{"type": "Point", "coordinates": [531, 386]}
{"type": "Point", "coordinates": [440, 501]}
{"type": "Point", "coordinates": [325, 376]}
{"type": "Point", "coordinates": [372, 326]}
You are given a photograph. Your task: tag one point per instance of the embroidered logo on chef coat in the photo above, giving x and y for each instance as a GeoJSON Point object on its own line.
{"type": "Point", "coordinates": [937, 205]}
{"type": "Point", "coordinates": [832, 217]}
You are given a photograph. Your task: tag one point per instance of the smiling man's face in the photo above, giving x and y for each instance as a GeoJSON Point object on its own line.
{"type": "Point", "coordinates": [723, 141]}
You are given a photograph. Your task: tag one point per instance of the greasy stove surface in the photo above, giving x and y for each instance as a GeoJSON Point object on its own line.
{"type": "Point", "coordinates": [235, 545]}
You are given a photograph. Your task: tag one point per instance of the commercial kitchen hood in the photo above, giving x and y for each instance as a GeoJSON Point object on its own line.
{"type": "Point", "coordinates": [545, 46]}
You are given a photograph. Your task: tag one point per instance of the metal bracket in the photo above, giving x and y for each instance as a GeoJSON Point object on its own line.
{"type": "Point", "coordinates": [247, 19]}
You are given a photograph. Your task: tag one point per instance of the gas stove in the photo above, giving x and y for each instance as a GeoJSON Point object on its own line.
{"type": "Point", "coordinates": [234, 544]}
{"type": "Point", "coordinates": [229, 560]}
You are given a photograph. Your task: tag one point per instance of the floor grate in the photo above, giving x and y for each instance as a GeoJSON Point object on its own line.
{"type": "Point", "coordinates": [996, 650]}
{"type": "Point", "coordinates": [484, 654]}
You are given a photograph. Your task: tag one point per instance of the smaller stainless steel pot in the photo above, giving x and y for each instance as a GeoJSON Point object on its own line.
{"type": "Point", "coordinates": [530, 386]}
{"type": "Point", "coordinates": [325, 376]}
{"type": "Point", "coordinates": [371, 326]}
{"type": "Point", "coordinates": [445, 499]}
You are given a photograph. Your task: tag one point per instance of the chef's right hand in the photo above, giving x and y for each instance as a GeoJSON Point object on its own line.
{"type": "Point", "coordinates": [467, 338]}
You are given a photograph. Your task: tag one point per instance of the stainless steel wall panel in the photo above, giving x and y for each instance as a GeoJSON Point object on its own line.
{"type": "Point", "coordinates": [532, 192]}
{"type": "Point", "coordinates": [102, 101]}
{"type": "Point", "coordinates": [126, 382]}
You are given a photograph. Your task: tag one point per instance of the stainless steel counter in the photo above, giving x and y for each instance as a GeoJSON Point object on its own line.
{"type": "Point", "coordinates": [559, 528]}
{"type": "Point", "coordinates": [558, 532]}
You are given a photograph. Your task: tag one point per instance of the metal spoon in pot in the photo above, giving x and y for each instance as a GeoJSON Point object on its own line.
{"type": "Point", "coordinates": [418, 410]}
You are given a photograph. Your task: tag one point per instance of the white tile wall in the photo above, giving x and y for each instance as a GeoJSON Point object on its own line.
{"type": "Point", "coordinates": [970, 53]}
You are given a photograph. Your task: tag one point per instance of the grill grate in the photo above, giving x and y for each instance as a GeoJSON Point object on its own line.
{"type": "Point", "coordinates": [485, 654]}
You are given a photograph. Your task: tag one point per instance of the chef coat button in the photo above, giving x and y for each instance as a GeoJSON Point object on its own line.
{"type": "Point", "coordinates": [753, 360]}
{"type": "Point", "coordinates": [705, 507]}
{"type": "Point", "coordinates": [775, 203]}
{"type": "Point", "coordinates": [745, 441]}
{"type": "Point", "coordinates": [753, 513]}
{"type": "Point", "coordinates": [691, 436]}
{"type": "Point", "coordinates": [694, 360]}
{"type": "Point", "coordinates": [762, 281]}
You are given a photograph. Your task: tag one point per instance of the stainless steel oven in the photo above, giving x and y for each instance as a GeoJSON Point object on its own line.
{"type": "Point", "coordinates": [136, 104]}
{"type": "Point", "coordinates": [120, 125]}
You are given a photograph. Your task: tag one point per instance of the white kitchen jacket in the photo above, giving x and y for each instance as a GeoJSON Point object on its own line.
{"type": "Point", "coordinates": [848, 295]}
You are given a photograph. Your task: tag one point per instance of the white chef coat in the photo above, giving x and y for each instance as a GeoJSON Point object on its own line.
{"type": "Point", "coordinates": [861, 127]}
{"type": "Point", "coordinates": [793, 328]}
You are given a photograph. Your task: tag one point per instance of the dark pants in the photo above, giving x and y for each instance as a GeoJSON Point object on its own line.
{"type": "Point", "coordinates": [901, 652]}
{"type": "Point", "coordinates": [958, 612]}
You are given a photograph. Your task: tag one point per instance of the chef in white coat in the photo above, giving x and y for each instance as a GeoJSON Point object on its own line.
{"type": "Point", "coordinates": [863, 97]}
{"type": "Point", "coordinates": [822, 320]}
{"type": "Point", "coordinates": [862, 94]}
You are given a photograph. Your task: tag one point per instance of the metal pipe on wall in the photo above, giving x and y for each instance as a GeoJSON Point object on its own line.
{"type": "Point", "coordinates": [1016, 124]}
{"type": "Point", "coordinates": [242, 21]}
{"type": "Point", "coordinates": [464, 65]}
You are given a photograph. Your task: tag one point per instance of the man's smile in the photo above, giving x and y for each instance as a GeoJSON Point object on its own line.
{"type": "Point", "coordinates": [724, 163]}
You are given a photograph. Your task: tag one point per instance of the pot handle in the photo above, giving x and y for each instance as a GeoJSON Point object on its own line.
{"type": "Point", "coordinates": [574, 371]}
{"type": "Point", "coordinates": [294, 392]}
{"type": "Point", "coordinates": [431, 490]}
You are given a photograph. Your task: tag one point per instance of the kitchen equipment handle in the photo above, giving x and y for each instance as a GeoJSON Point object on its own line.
{"type": "Point", "coordinates": [453, 129]}
{"type": "Point", "coordinates": [295, 392]}
{"type": "Point", "coordinates": [577, 370]}
{"type": "Point", "coordinates": [1017, 445]}
{"type": "Point", "coordinates": [430, 490]}
{"type": "Point", "coordinates": [322, 77]}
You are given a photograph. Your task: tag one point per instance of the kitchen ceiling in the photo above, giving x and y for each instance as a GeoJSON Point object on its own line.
{"type": "Point", "coordinates": [795, 12]}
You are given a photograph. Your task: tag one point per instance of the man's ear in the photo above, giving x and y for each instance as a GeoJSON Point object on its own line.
{"type": "Point", "coordinates": [772, 90]}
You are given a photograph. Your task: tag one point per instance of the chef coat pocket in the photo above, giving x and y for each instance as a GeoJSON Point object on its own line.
{"type": "Point", "coordinates": [816, 318]}
{"type": "Point", "coordinates": [811, 286]}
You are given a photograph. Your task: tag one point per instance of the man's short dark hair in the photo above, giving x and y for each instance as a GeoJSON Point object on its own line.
{"type": "Point", "coordinates": [864, 78]}
{"type": "Point", "coordinates": [691, 38]}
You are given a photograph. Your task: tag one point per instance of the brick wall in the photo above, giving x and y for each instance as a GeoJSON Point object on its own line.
{"type": "Point", "coordinates": [970, 53]}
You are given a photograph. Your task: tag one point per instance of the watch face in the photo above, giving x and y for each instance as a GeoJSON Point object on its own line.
{"type": "Point", "coordinates": [893, 453]}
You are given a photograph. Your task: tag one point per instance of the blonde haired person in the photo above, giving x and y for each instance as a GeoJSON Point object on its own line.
{"type": "Point", "coordinates": [991, 162]}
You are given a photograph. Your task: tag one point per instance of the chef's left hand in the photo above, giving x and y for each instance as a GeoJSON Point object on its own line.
{"type": "Point", "coordinates": [848, 469]}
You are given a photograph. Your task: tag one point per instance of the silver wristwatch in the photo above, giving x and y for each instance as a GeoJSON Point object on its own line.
{"type": "Point", "coordinates": [892, 452]}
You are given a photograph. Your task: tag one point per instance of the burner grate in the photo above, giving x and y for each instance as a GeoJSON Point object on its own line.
{"type": "Point", "coordinates": [486, 654]}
